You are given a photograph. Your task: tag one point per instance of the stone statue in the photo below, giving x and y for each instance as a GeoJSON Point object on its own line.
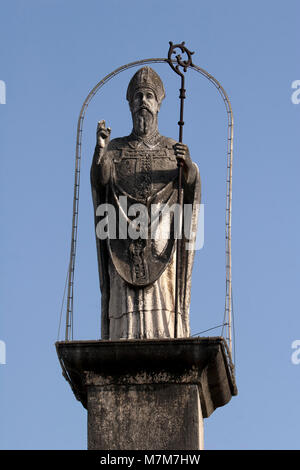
{"type": "Point", "coordinates": [137, 175]}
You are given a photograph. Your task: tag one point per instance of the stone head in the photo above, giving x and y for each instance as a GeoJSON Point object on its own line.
{"type": "Point", "coordinates": [145, 93]}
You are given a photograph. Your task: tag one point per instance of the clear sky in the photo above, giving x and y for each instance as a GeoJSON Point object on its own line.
{"type": "Point", "coordinates": [52, 54]}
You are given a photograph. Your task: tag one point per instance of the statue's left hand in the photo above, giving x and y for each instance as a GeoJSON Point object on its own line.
{"type": "Point", "coordinates": [183, 155]}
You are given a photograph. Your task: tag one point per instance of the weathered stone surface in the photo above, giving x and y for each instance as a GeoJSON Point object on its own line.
{"type": "Point", "coordinates": [143, 394]}
{"type": "Point", "coordinates": [158, 416]}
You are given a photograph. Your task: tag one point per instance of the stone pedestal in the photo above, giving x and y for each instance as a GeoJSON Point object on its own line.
{"type": "Point", "coordinates": [148, 394]}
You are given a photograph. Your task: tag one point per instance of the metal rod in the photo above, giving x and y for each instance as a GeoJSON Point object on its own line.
{"type": "Point", "coordinates": [180, 203]}
{"type": "Point", "coordinates": [184, 64]}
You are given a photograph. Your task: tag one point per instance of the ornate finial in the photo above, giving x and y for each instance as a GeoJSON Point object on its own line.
{"type": "Point", "coordinates": [180, 62]}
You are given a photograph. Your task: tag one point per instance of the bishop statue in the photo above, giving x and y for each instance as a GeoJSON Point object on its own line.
{"type": "Point", "coordinates": [137, 175]}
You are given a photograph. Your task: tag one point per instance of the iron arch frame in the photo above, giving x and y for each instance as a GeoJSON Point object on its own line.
{"type": "Point", "coordinates": [227, 322]}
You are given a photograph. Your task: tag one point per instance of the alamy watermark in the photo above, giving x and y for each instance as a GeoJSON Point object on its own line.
{"type": "Point", "coordinates": [2, 352]}
{"type": "Point", "coordinates": [2, 92]}
{"type": "Point", "coordinates": [295, 357]}
{"type": "Point", "coordinates": [295, 97]}
{"type": "Point", "coordinates": [155, 221]}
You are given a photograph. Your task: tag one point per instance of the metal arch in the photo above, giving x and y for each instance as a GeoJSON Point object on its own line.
{"type": "Point", "coordinates": [228, 212]}
{"type": "Point", "coordinates": [228, 290]}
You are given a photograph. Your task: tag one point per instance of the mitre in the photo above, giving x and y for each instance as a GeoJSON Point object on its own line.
{"type": "Point", "coordinates": [146, 77]}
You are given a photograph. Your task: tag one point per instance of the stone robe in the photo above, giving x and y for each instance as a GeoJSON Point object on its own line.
{"type": "Point", "coordinates": [137, 277]}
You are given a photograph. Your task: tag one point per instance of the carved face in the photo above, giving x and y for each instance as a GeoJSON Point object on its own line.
{"type": "Point", "coordinates": [144, 108]}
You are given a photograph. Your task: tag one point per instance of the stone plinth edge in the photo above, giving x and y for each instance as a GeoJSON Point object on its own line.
{"type": "Point", "coordinates": [205, 362]}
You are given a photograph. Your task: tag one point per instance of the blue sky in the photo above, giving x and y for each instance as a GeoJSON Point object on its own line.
{"type": "Point", "coordinates": [52, 54]}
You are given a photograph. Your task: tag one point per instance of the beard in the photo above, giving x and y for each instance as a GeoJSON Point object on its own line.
{"type": "Point", "coordinates": [143, 121]}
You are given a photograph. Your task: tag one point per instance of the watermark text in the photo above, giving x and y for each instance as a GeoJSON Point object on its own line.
{"type": "Point", "coordinates": [2, 92]}
{"type": "Point", "coordinates": [156, 222]}
{"type": "Point", "coordinates": [295, 357]}
{"type": "Point", "coordinates": [2, 352]}
{"type": "Point", "coordinates": [295, 97]}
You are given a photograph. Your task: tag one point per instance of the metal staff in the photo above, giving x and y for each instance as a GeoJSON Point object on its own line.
{"type": "Point", "coordinates": [184, 64]}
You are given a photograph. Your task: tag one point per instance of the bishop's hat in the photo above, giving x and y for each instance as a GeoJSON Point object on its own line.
{"type": "Point", "coordinates": [146, 77]}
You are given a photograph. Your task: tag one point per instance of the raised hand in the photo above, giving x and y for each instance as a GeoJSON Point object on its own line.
{"type": "Point", "coordinates": [103, 135]}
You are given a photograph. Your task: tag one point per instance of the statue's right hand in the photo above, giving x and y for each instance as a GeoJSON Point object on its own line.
{"type": "Point", "coordinates": [103, 135]}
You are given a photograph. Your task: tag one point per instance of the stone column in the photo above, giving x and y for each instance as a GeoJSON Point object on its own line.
{"type": "Point", "coordinates": [145, 413]}
{"type": "Point", "coordinates": [148, 394]}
